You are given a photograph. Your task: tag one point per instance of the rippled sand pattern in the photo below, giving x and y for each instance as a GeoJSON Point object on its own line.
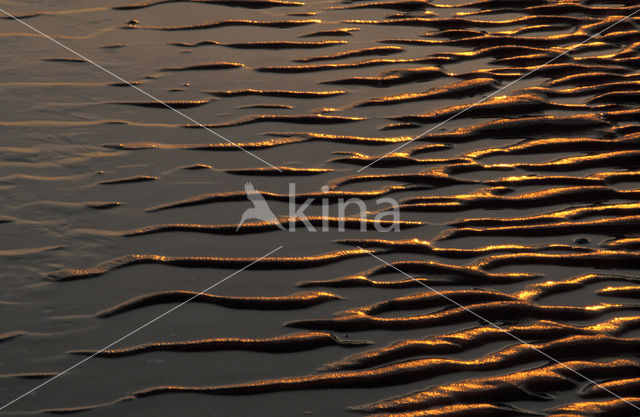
{"type": "Point", "coordinates": [522, 209]}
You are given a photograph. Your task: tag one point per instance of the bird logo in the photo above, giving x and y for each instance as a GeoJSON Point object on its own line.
{"type": "Point", "coordinates": [260, 209]}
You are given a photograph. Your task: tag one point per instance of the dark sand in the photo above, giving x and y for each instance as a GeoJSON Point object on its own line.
{"type": "Point", "coordinates": [524, 208]}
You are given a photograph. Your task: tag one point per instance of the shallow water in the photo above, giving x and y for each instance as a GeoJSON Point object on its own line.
{"type": "Point", "coordinates": [522, 208]}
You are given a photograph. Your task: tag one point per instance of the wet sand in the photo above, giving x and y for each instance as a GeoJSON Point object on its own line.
{"type": "Point", "coordinates": [520, 210]}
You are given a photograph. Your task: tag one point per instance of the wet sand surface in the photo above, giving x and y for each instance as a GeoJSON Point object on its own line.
{"type": "Point", "coordinates": [523, 208]}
